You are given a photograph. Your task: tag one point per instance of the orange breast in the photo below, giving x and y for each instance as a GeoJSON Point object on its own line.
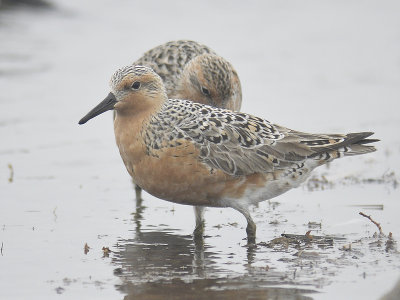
{"type": "Point", "coordinates": [176, 174]}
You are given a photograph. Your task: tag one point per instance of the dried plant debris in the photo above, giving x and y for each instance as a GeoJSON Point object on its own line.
{"type": "Point", "coordinates": [346, 247]}
{"type": "Point", "coordinates": [106, 252]}
{"type": "Point", "coordinates": [280, 242]}
{"type": "Point", "coordinates": [313, 238]}
{"type": "Point", "coordinates": [308, 235]}
{"type": "Point", "coordinates": [322, 257]}
{"type": "Point", "coordinates": [11, 178]}
{"type": "Point", "coordinates": [380, 243]}
{"type": "Point", "coordinates": [55, 214]}
{"type": "Point", "coordinates": [274, 222]}
{"type": "Point", "coordinates": [86, 248]}
{"type": "Point", "coordinates": [59, 290]}
{"type": "Point", "coordinates": [321, 182]}
{"type": "Point", "coordinates": [390, 244]}
{"type": "Point", "coordinates": [298, 241]}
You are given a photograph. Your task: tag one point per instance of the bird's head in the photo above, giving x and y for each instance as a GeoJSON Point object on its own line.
{"type": "Point", "coordinates": [210, 79]}
{"type": "Point", "coordinates": [133, 89]}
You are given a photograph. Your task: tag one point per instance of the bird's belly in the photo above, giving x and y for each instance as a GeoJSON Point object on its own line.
{"type": "Point", "coordinates": [179, 179]}
{"type": "Point", "coordinates": [178, 175]}
{"type": "Point", "coordinates": [269, 186]}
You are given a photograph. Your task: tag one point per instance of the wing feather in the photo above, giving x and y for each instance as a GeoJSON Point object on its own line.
{"type": "Point", "coordinates": [242, 144]}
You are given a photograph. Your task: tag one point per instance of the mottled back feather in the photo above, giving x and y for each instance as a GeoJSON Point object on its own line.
{"type": "Point", "coordinates": [242, 144]}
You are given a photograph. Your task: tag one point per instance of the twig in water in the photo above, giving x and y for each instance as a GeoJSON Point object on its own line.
{"type": "Point", "coordinates": [376, 223]}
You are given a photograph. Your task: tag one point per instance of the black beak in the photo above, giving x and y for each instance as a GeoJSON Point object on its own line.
{"type": "Point", "coordinates": [103, 106]}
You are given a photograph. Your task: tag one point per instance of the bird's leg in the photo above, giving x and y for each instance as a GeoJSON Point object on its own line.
{"type": "Point", "coordinates": [138, 191]}
{"type": "Point", "coordinates": [251, 231]}
{"type": "Point", "coordinates": [251, 226]}
{"type": "Point", "coordinates": [139, 208]}
{"type": "Point", "coordinates": [199, 229]}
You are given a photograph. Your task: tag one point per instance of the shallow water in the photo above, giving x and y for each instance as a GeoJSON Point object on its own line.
{"type": "Point", "coordinates": [313, 66]}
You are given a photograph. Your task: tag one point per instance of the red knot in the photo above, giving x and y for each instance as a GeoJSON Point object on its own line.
{"type": "Point", "coordinates": [196, 154]}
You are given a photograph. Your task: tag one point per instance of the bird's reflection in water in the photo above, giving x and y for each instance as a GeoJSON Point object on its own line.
{"type": "Point", "coordinates": [164, 264]}
{"type": "Point", "coordinates": [138, 214]}
{"type": "Point", "coordinates": [161, 254]}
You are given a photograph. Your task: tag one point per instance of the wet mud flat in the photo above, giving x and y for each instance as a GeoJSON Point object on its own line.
{"type": "Point", "coordinates": [159, 259]}
{"type": "Point", "coordinates": [70, 226]}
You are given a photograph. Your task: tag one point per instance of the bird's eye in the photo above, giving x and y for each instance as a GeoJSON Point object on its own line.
{"type": "Point", "coordinates": [136, 85]}
{"type": "Point", "coordinates": [205, 91]}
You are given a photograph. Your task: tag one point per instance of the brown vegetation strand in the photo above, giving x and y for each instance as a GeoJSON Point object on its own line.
{"type": "Point", "coordinates": [376, 223]}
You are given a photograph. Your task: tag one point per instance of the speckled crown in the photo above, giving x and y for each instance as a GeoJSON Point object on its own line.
{"type": "Point", "coordinates": [129, 70]}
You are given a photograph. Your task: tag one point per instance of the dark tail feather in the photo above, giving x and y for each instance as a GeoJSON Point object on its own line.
{"type": "Point", "coordinates": [357, 137]}
{"type": "Point", "coordinates": [354, 143]}
{"type": "Point", "coordinates": [367, 141]}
